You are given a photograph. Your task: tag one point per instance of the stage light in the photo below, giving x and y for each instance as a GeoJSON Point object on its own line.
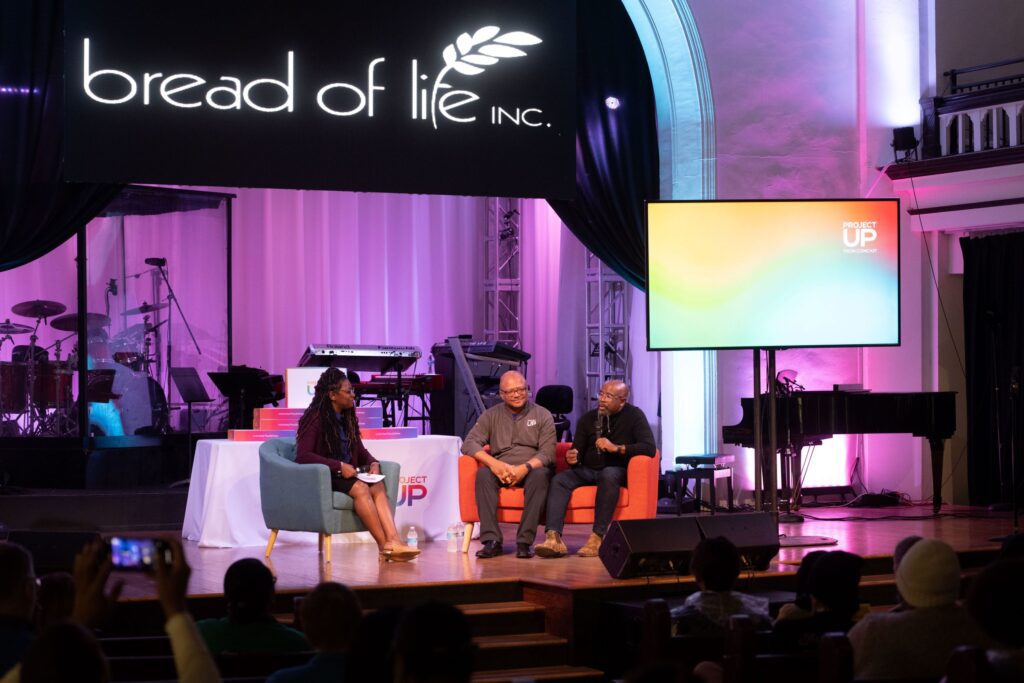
{"type": "Point", "coordinates": [612, 102]}
{"type": "Point", "coordinates": [903, 140]}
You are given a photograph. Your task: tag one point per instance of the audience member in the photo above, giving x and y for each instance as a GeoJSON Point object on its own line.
{"type": "Point", "coordinates": [17, 600]}
{"type": "Point", "coordinates": [901, 549]}
{"type": "Point", "coordinates": [897, 554]}
{"type": "Point", "coordinates": [372, 660]}
{"type": "Point", "coordinates": [68, 652]}
{"type": "Point", "coordinates": [715, 565]}
{"type": "Point", "coordinates": [996, 602]}
{"type": "Point", "coordinates": [330, 617]}
{"type": "Point", "coordinates": [801, 607]}
{"type": "Point", "coordinates": [55, 599]}
{"type": "Point", "coordinates": [433, 644]}
{"type": "Point", "coordinates": [1012, 548]}
{"type": "Point", "coordinates": [833, 586]}
{"type": "Point", "coordinates": [65, 652]}
{"type": "Point", "coordinates": [917, 642]}
{"type": "Point", "coordinates": [93, 602]}
{"type": "Point", "coordinates": [249, 626]}
{"type": "Point", "coordinates": [192, 660]}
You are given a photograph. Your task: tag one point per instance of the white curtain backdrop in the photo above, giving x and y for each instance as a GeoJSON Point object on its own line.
{"type": "Point", "coordinates": [353, 268]}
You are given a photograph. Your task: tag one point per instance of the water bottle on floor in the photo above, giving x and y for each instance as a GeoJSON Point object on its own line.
{"type": "Point", "coordinates": [413, 538]}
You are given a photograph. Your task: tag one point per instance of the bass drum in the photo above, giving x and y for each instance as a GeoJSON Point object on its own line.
{"type": "Point", "coordinates": [143, 404]}
{"type": "Point", "coordinates": [13, 377]}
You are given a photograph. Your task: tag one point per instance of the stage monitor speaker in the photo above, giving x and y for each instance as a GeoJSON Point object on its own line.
{"type": "Point", "coordinates": [52, 551]}
{"type": "Point", "coordinates": [650, 547]}
{"type": "Point", "coordinates": [755, 534]}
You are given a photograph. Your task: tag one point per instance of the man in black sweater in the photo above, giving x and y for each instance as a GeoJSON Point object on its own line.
{"type": "Point", "coordinates": [606, 439]}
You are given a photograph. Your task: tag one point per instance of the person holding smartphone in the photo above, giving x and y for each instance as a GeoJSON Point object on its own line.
{"type": "Point", "coordinates": [328, 434]}
{"type": "Point", "coordinates": [606, 439]}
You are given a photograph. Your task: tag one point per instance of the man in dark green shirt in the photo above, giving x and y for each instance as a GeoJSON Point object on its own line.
{"type": "Point", "coordinates": [250, 626]}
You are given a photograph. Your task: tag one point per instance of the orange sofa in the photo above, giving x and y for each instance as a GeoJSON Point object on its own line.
{"type": "Point", "coordinates": [638, 500]}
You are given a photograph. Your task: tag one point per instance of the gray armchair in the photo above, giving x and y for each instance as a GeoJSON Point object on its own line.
{"type": "Point", "coordinates": [299, 497]}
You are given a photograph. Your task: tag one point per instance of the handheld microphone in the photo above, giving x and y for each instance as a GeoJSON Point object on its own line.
{"type": "Point", "coordinates": [156, 261]}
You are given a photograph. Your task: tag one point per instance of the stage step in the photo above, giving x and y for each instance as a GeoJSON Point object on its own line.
{"type": "Point", "coordinates": [540, 673]}
{"type": "Point", "coordinates": [501, 618]}
{"type": "Point", "coordinates": [518, 649]}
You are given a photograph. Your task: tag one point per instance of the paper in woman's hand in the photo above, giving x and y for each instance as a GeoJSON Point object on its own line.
{"type": "Point", "coordinates": [370, 478]}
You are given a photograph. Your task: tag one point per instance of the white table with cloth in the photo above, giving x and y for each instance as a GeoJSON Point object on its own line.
{"type": "Point", "coordinates": [223, 508]}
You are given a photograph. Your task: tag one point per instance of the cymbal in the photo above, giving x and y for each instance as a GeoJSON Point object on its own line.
{"type": "Point", "coordinates": [135, 331]}
{"type": "Point", "coordinates": [40, 308]}
{"type": "Point", "coordinates": [7, 327]}
{"type": "Point", "coordinates": [145, 308]}
{"type": "Point", "coordinates": [69, 322]}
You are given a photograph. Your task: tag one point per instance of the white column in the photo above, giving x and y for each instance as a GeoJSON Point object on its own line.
{"type": "Point", "coordinates": [945, 121]}
{"type": "Point", "coordinates": [1013, 112]}
{"type": "Point", "coordinates": [686, 133]}
{"type": "Point", "coordinates": [977, 115]}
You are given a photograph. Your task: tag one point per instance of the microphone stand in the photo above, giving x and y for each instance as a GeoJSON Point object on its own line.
{"type": "Point", "coordinates": [790, 462]}
{"type": "Point", "coordinates": [174, 299]}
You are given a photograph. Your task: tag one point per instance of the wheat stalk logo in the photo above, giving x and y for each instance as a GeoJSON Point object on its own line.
{"type": "Point", "coordinates": [470, 55]}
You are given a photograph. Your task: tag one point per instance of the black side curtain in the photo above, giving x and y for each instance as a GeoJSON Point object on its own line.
{"type": "Point", "coordinates": [994, 348]}
{"type": "Point", "coordinates": [616, 149]}
{"type": "Point", "coordinates": [38, 210]}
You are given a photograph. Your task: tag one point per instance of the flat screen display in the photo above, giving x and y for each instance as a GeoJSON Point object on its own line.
{"type": "Point", "coordinates": [773, 274]}
{"type": "Point", "coordinates": [465, 97]}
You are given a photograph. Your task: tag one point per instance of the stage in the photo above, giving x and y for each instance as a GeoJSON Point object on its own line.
{"type": "Point", "coordinates": [574, 604]}
{"type": "Point", "coordinates": [298, 568]}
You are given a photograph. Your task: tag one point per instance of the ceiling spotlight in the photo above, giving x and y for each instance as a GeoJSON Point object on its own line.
{"type": "Point", "coordinates": [612, 102]}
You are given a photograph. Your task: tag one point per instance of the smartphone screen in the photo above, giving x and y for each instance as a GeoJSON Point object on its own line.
{"type": "Point", "coordinates": [136, 553]}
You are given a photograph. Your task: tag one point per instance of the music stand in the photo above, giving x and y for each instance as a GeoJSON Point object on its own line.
{"type": "Point", "coordinates": [241, 390]}
{"type": "Point", "coordinates": [190, 388]}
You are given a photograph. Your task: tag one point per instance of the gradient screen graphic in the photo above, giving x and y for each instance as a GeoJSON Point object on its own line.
{"type": "Point", "coordinates": [773, 274]}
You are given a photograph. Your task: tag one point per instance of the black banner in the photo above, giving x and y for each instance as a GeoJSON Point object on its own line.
{"type": "Point", "coordinates": [468, 97]}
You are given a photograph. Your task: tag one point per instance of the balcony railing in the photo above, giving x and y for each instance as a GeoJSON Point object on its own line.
{"type": "Point", "coordinates": [976, 117]}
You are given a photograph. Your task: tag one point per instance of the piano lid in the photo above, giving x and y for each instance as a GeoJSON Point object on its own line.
{"type": "Point", "coordinates": [806, 416]}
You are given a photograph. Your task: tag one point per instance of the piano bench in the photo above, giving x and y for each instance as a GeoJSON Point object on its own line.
{"type": "Point", "coordinates": [704, 467]}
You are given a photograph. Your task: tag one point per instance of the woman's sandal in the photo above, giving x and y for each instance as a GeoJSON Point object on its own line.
{"type": "Point", "coordinates": [399, 553]}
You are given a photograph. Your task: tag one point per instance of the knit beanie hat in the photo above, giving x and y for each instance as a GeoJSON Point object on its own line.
{"type": "Point", "coordinates": [929, 574]}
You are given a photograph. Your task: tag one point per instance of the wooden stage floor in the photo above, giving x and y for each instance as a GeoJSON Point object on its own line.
{"type": "Point", "coordinates": [873, 534]}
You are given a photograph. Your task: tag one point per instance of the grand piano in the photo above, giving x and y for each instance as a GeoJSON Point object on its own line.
{"type": "Point", "coordinates": [806, 417]}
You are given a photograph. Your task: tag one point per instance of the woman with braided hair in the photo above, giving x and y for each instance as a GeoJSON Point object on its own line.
{"type": "Point", "coordinates": [328, 434]}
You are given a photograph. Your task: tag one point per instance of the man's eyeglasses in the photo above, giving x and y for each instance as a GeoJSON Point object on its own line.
{"type": "Point", "coordinates": [518, 391]}
{"type": "Point", "coordinates": [605, 395]}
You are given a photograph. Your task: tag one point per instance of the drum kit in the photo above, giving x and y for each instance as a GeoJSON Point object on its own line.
{"type": "Point", "coordinates": [36, 390]}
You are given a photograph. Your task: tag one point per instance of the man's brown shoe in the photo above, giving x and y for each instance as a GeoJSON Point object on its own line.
{"type": "Point", "coordinates": [553, 546]}
{"type": "Point", "coordinates": [591, 547]}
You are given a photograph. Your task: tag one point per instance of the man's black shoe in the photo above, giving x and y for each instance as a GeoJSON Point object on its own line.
{"type": "Point", "coordinates": [490, 549]}
{"type": "Point", "coordinates": [523, 551]}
